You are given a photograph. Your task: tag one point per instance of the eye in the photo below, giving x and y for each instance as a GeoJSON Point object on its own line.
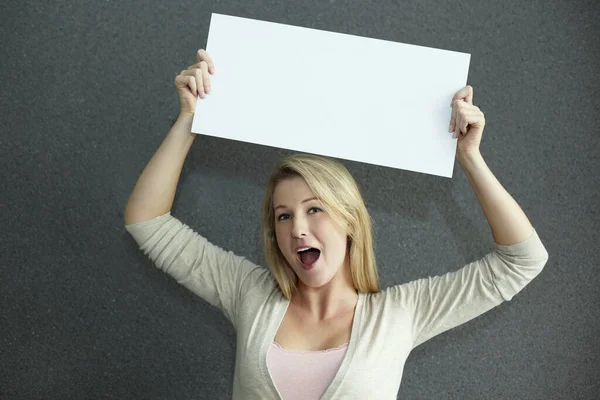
{"type": "Point", "coordinates": [279, 218]}
{"type": "Point", "coordinates": [281, 215]}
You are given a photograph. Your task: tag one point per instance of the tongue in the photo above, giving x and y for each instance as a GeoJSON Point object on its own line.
{"type": "Point", "coordinates": [309, 256]}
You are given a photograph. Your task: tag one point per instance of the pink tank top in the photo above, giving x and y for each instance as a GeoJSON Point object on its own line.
{"type": "Point", "coordinates": [303, 374]}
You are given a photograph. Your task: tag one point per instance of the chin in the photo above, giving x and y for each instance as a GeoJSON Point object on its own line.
{"type": "Point", "coordinates": [316, 282]}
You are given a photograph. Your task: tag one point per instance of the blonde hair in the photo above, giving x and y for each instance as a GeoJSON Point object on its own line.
{"type": "Point", "coordinates": [333, 185]}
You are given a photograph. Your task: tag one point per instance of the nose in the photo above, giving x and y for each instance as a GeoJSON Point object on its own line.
{"type": "Point", "coordinates": [299, 227]}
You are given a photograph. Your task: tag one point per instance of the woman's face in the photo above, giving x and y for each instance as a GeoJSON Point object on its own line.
{"type": "Point", "coordinates": [301, 221]}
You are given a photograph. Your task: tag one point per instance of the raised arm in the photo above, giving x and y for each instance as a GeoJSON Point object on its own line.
{"type": "Point", "coordinates": [220, 277]}
{"type": "Point", "coordinates": [508, 222]}
{"type": "Point", "coordinates": [154, 191]}
{"type": "Point", "coordinates": [437, 304]}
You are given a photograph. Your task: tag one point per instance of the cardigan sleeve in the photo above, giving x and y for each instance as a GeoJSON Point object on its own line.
{"type": "Point", "coordinates": [437, 304]}
{"type": "Point", "coordinates": [220, 277]}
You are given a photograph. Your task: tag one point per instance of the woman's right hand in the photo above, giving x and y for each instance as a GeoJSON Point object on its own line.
{"type": "Point", "coordinates": [194, 81]}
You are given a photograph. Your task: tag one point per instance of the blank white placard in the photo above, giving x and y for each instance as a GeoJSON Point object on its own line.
{"type": "Point", "coordinates": [332, 94]}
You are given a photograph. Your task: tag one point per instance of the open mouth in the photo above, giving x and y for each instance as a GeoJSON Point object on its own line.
{"type": "Point", "coordinates": [308, 257]}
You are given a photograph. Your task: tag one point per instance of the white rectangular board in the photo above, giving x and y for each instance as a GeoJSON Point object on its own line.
{"type": "Point", "coordinates": [344, 96]}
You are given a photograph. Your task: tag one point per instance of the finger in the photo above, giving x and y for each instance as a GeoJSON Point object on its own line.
{"type": "Point", "coordinates": [179, 81]}
{"type": "Point", "coordinates": [462, 123]}
{"type": "Point", "coordinates": [200, 82]}
{"type": "Point", "coordinates": [457, 123]}
{"type": "Point", "coordinates": [201, 70]}
{"type": "Point", "coordinates": [195, 81]}
{"type": "Point", "coordinates": [202, 55]}
{"type": "Point", "coordinates": [465, 94]}
{"type": "Point", "coordinates": [183, 81]}
{"type": "Point", "coordinates": [461, 110]}
{"type": "Point", "coordinates": [198, 65]}
{"type": "Point", "coordinates": [191, 82]}
{"type": "Point", "coordinates": [452, 117]}
{"type": "Point", "coordinates": [205, 77]}
{"type": "Point", "coordinates": [466, 108]}
{"type": "Point", "coordinates": [467, 119]}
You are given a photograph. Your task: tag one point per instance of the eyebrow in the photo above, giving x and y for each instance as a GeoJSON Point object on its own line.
{"type": "Point", "coordinates": [303, 201]}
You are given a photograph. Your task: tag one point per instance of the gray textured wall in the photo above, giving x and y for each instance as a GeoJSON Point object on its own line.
{"type": "Point", "coordinates": [86, 97]}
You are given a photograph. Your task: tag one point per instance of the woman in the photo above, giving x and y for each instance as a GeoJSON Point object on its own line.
{"type": "Point", "coordinates": [316, 325]}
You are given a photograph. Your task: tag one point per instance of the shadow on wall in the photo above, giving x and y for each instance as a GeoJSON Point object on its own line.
{"type": "Point", "coordinates": [385, 190]}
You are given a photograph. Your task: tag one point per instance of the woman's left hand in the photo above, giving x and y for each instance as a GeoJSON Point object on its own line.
{"type": "Point", "coordinates": [467, 122]}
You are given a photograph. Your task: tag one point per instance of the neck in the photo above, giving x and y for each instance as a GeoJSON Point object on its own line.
{"type": "Point", "coordinates": [328, 301]}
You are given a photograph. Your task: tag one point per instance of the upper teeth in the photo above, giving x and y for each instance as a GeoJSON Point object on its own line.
{"type": "Point", "coordinates": [305, 248]}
